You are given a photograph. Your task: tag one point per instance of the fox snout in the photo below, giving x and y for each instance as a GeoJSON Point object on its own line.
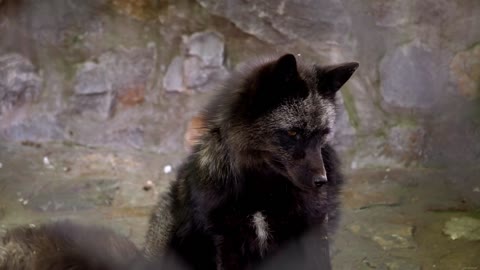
{"type": "Point", "coordinates": [314, 162]}
{"type": "Point", "coordinates": [319, 174]}
{"type": "Point", "coordinates": [320, 180]}
{"type": "Point", "coordinates": [309, 171]}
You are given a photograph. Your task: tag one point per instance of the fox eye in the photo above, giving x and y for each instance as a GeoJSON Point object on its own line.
{"type": "Point", "coordinates": [292, 133]}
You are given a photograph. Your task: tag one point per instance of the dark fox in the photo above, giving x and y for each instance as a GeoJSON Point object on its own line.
{"type": "Point", "coordinates": [66, 246]}
{"type": "Point", "coordinates": [260, 187]}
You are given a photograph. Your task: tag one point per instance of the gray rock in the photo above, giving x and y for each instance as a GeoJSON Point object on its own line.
{"type": "Point", "coordinates": [412, 77]}
{"type": "Point", "coordinates": [398, 237]}
{"type": "Point", "coordinates": [391, 13]}
{"type": "Point", "coordinates": [406, 142]}
{"type": "Point", "coordinates": [371, 153]}
{"type": "Point", "coordinates": [54, 28]}
{"type": "Point", "coordinates": [36, 128]}
{"type": "Point", "coordinates": [114, 73]}
{"type": "Point", "coordinates": [465, 69]}
{"type": "Point", "coordinates": [125, 138]}
{"type": "Point", "coordinates": [366, 114]}
{"type": "Point", "coordinates": [284, 21]}
{"type": "Point", "coordinates": [204, 59]}
{"type": "Point", "coordinates": [412, 55]}
{"type": "Point", "coordinates": [19, 82]}
{"type": "Point", "coordinates": [200, 77]}
{"type": "Point", "coordinates": [369, 196]}
{"type": "Point", "coordinates": [115, 70]}
{"type": "Point", "coordinates": [402, 265]}
{"type": "Point", "coordinates": [200, 66]}
{"type": "Point", "coordinates": [208, 46]}
{"type": "Point", "coordinates": [110, 135]}
{"type": "Point", "coordinates": [72, 196]}
{"type": "Point", "coordinates": [95, 105]}
{"type": "Point", "coordinates": [446, 24]}
{"type": "Point", "coordinates": [195, 72]}
{"type": "Point", "coordinates": [467, 228]}
{"type": "Point", "coordinates": [173, 80]}
{"type": "Point", "coordinates": [344, 137]}
{"type": "Point", "coordinates": [92, 79]}
{"type": "Point", "coordinates": [398, 146]}
{"type": "Point", "coordinates": [387, 236]}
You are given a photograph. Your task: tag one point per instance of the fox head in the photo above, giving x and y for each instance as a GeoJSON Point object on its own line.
{"type": "Point", "coordinates": [280, 114]}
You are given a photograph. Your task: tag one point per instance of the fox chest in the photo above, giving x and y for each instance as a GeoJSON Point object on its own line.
{"type": "Point", "coordinates": [258, 226]}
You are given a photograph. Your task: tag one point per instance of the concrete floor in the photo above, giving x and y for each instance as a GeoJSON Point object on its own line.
{"type": "Point", "coordinates": [392, 219]}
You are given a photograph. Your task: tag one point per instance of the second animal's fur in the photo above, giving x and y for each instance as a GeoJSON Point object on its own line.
{"type": "Point", "coordinates": [262, 177]}
{"type": "Point", "coordinates": [66, 246]}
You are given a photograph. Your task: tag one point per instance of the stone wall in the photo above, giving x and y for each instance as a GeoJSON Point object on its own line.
{"type": "Point", "coordinates": [132, 73]}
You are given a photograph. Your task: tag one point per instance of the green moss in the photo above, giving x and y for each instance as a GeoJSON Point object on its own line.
{"type": "Point", "coordinates": [474, 214]}
{"type": "Point", "coordinates": [380, 133]}
{"type": "Point", "coordinates": [449, 213]}
{"type": "Point", "coordinates": [405, 122]}
{"type": "Point", "coordinates": [473, 46]}
{"type": "Point", "coordinates": [349, 103]}
{"type": "Point", "coordinates": [475, 113]}
{"type": "Point", "coordinates": [409, 122]}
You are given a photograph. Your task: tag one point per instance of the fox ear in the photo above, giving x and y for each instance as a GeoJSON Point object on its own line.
{"type": "Point", "coordinates": [334, 77]}
{"type": "Point", "coordinates": [272, 84]}
{"type": "Point", "coordinates": [285, 68]}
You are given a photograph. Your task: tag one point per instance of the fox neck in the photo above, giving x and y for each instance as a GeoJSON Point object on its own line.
{"type": "Point", "coordinates": [225, 166]}
{"type": "Point", "coordinates": [215, 159]}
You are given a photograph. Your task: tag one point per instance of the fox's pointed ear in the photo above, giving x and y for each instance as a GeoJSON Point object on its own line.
{"type": "Point", "coordinates": [273, 83]}
{"type": "Point", "coordinates": [334, 77]}
{"type": "Point", "coordinates": [285, 68]}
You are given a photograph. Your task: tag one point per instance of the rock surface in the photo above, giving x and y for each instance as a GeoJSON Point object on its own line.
{"type": "Point", "coordinates": [401, 264]}
{"type": "Point", "coordinates": [200, 66]}
{"type": "Point", "coordinates": [387, 236]}
{"type": "Point", "coordinates": [411, 77]}
{"type": "Point", "coordinates": [282, 21]}
{"type": "Point", "coordinates": [121, 76]}
{"type": "Point", "coordinates": [20, 82]}
{"type": "Point", "coordinates": [465, 68]}
{"type": "Point", "coordinates": [463, 228]}
{"type": "Point", "coordinates": [131, 74]}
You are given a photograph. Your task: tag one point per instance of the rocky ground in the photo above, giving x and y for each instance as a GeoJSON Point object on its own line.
{"type": "Point", "coordinates": [392, 218]}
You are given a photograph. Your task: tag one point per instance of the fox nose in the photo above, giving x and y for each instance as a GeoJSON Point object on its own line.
{"type": "Point", "coordinates": [320, 180]}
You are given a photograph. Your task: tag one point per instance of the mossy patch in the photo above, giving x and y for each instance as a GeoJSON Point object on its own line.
{"type": "Point", "coordinates": [349, 104]}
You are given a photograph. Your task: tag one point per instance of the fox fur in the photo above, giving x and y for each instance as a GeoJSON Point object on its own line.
{"type": "Point", "coordinates": [66, 246]}
{"type": "Point", "coordinates": [262, 180]}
